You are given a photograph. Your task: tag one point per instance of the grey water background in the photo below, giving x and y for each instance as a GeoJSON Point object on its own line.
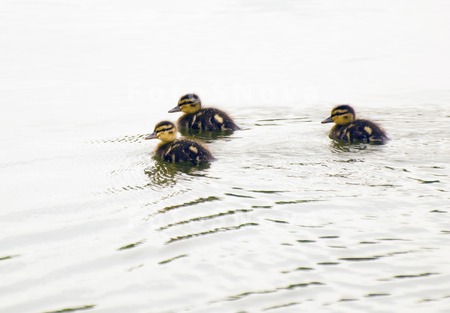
{"type": "Point", "coordinates": [284, 220]}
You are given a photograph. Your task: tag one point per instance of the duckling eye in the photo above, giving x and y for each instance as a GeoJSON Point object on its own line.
{"type": "Point", "coordinates": [193, 105]}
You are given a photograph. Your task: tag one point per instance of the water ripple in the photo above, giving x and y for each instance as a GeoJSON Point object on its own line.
{"type": "Point", "coordinates": [259, 292]}
{"type": "Point", "coordinates": [204, 218]}
{"type": "Point", "coordinates": [210, 232]}
{"type": "Point", "coordinates": [173, 259]}
{"type": "Point", "coordinates": [187, 204]}
{"type": "Point", "coordinates": [131, 245]}
{"type": "Point", "coordinates": [8, 257]}
{"type": "Point", "coordinates": [74, 309]}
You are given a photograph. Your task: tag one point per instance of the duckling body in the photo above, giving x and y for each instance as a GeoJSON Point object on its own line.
{"type": "Point", "coordinates": [183, 150]}
{"type": "Point", "coordinates": [358, 131]}
{"type": "Point", "coordinates": [207, 119]}
{"type": "Point", "coordinates": [198, 118]}
{"type": "Point", "coordinates": [348, 129]}
{"type": "Point", "coordinates": [178, 150]}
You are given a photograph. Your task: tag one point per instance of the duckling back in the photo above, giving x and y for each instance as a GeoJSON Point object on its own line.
{"type": "Point", "coordinates": [359, 131]}
{"type": "Point", "coordinates": [209, 119]}
{"type": "Point", "coordinates": [183, 150]}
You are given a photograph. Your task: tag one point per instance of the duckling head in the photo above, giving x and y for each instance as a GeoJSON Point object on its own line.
{"type": "Point", "coordinates": [165, 131]}
{"type": "Point", "coordinates": [341, 115]}
{"type": "Point", "coordinates": [189, 104]}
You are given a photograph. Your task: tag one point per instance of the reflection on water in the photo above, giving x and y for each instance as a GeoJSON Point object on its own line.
{"type": "Point", "coordinates": [164, 174]}
{"type": "Point", "coordinates": [338, 147]}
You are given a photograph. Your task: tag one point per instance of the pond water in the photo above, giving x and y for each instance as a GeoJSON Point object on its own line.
{"type": "Point", "coordinates": [284, 220]}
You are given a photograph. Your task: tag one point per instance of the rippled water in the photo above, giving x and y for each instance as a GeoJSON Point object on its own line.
{"type": "Point", "coordinates": [284, 220]}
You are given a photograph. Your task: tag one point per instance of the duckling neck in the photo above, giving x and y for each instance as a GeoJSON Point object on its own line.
{"type": "Point", "coordinates": [192, 112]}
{"type": "Point", "coordinates": [165, 143]}
{"type": "Point", "coordinates": [337, 128]}
{"type": "Point", "coordinates": [344, 124]}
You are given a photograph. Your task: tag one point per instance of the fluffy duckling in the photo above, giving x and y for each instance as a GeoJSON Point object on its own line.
{"type": "Point", "coordinates": [176, 150]}
{"type": "Point", "coordinates": [348, 129]}
{"type": "Point", "coordinates": [202, 119]}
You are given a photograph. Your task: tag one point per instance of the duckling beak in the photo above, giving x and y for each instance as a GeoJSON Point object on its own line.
{"type": "Point", "coordinates": [175, 109]}
{"type": "Point", "coordinates": [328, 120]}
{"type": "Point", "coordinates": [151, 136]}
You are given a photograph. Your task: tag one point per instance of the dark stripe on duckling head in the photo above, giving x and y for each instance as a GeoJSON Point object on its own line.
{"type": "Point", "coordinates": [164, 126]}
{"type": "Point", "coordinates": [189, 99]}
{"type": "Point", "coordinates": [163, 129]}
{"type": "Point", "coordinates": [342, 109]}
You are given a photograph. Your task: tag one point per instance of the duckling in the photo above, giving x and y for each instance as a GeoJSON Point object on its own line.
{"type": "Point", "coordinates": [176, 150]}
{"type": "Point", "coordinates": [351, 130]}
{"type": "Point", "coordinates": [202, 119]}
